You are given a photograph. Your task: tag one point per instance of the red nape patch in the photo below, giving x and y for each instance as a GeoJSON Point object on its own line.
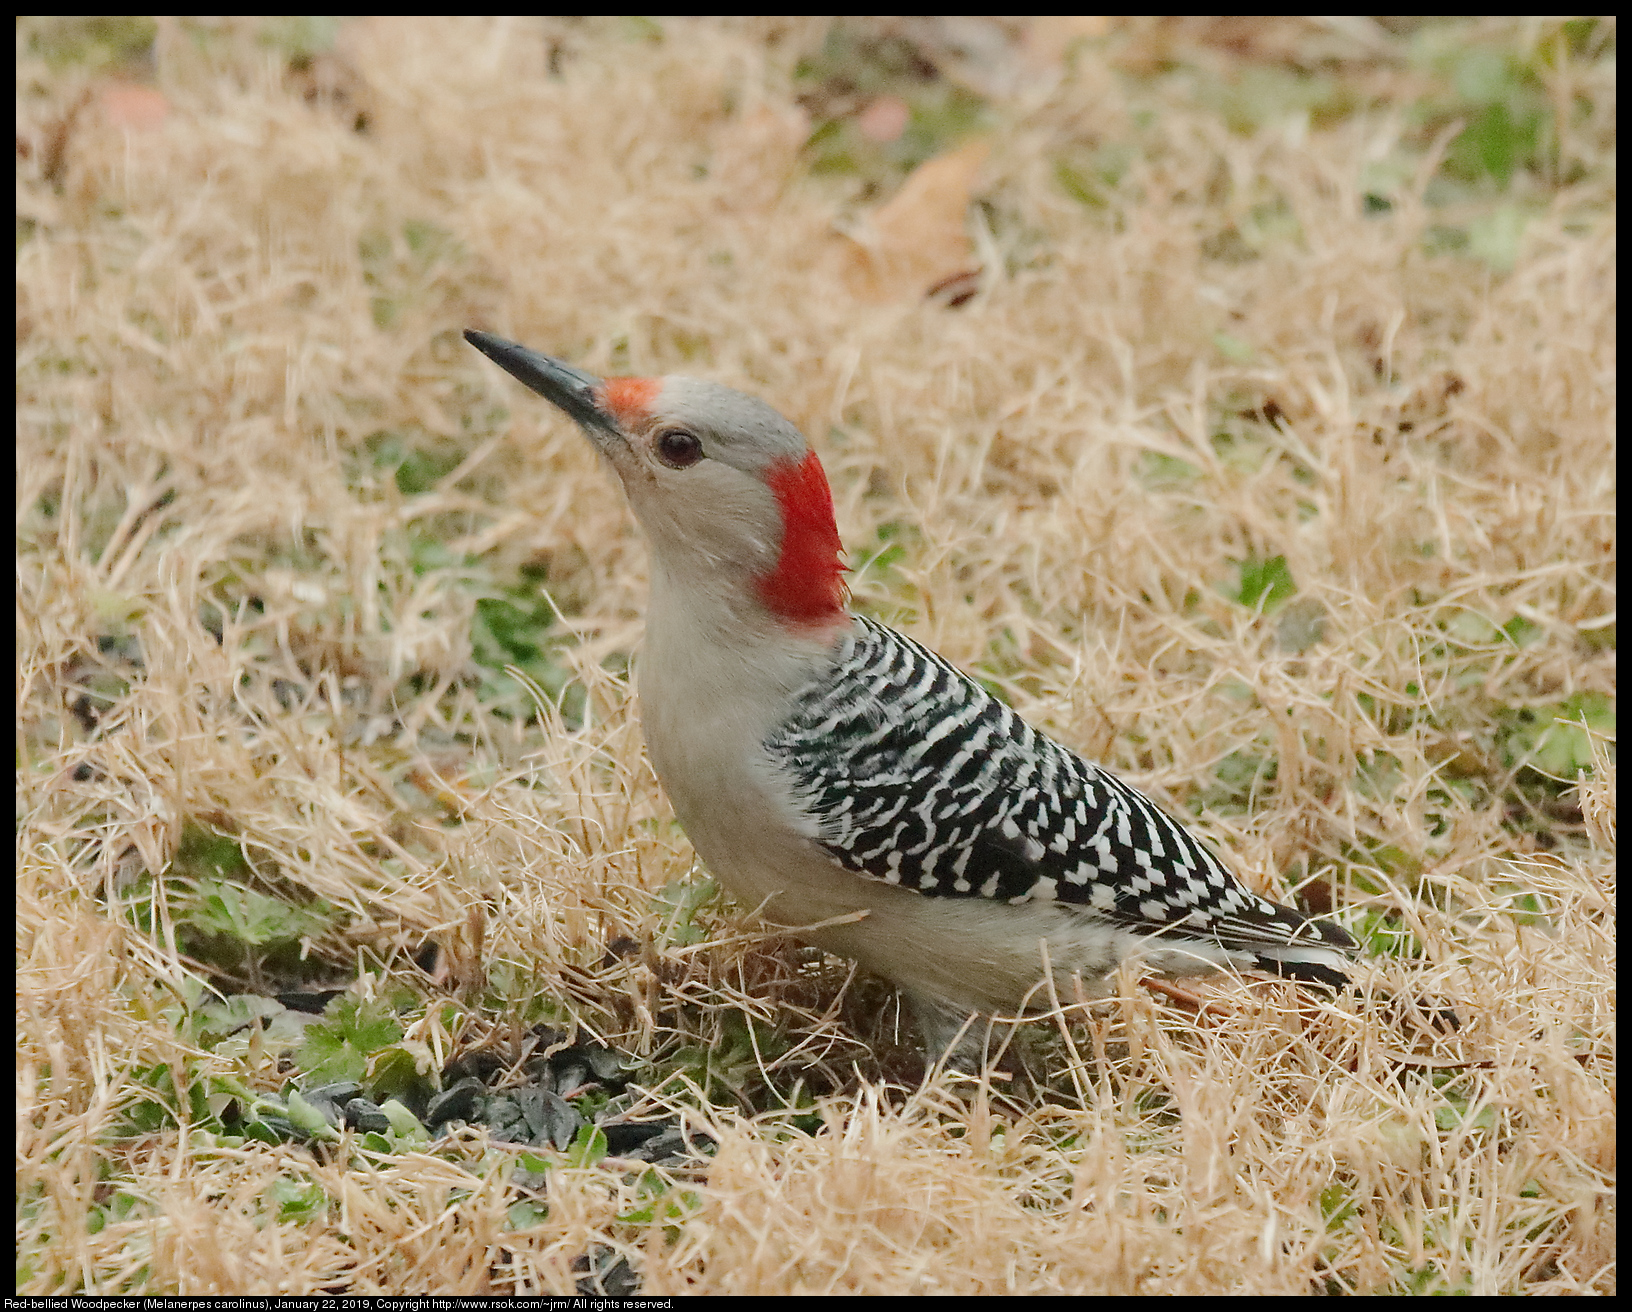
{"type": "Point", "coordinates": [807, 585]}
{"type": "Point", "coordinates": [629, 400]}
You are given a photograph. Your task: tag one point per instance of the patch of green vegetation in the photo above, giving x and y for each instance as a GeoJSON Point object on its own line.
{"type": "Point", "coordinates": [525, 1214]}
{"type": "Point", "coordinates": [1091, 177]}
{"type": "Point", "coordinates": [416, 461]}
{"type": "Point", "coordinates": [1160, 472]}
{"type": "Point", "coordinates": [1154, 1108]}
{"type": "Point", "coordinates": [339, 1087]}
{"type": "Point", "coordinates": [223, 922]}
{"type": "Point", "coordinates": [1337, 1205]}
{"type": "Point", "coordinates": [300, 37]}
{"type": "Point", "coordinates": [640, 29]}
{"type": "Point", "coordinates": [1508, 145]}
{"type": "Point", "coordinates": [678, 904]}
{"type": "Point", "coordinates": [1301, 625]}
{"type": "Point", "coordinates": [205, 852]}
{"type": "Point", "coordinates": [1262, 228]}
{"type": "Point", "coordinates": [894, 542]}
{"type": "Point", "coordinates": [226, 925]}
{"type": "Point", "coordinates": [1006, 668]}
{"type": "Point", "coordinates": [1499, 96]}
{"type": "Point", "coordinates": [1379, 776]}
{"type": "Point", "coordinates": [338, 1047]}
{"type": "Point", "coordinates": [299, 1200]}
{"type": "Point", "coordinates": [852, 70]}
{"type": "Point", "coordinates": [1448, 799]}
{"type": "Point", "coordinates": [1403, 870]}
{"type": "Point", "coordinates": [588, 1148]}
{"type": "Point", "coordinates": [100, 41]}
{"type": "Point", "coordinates": [1232, 348]}
{"type": "Point", "coordinates": [177, 1095]}
{"type": "Point", "coordinates": [1554, 742]}
{"type": "Point", "coordinates": [1429, 1279]}
{"type": "Point", "coordinates": [1547, 745]}
{"type": "Point", "coordinates": [1260, 584]}
{"type": "Point", "coordinates": [1499, 101]}
{"type": "Point", "coordinates": [730, 1069]}
{"type": "Point", "coordinates": [518, 627]}
{"type": "Point", "coordinates": [393, 1073]}
{"type": "Point", "coordinates": [1474, 629]}
{"type": "Point", "coordinates": [669, 1204]}
{"type": "Point", "coordinates": [1380, 935]}
{"type": "Point", "coordinates": [1461, 1109]}
{"type": "Point", "coordinates": [1494, 237]}
{"type": "Point", "coordinates": [1522, 905]}
{"type": "Point", "coordinates": [1255, 96]}
{"type": "Point", "coordinates": [1239, 779]}
{"type": "Point", "coordinates": [119, 1206]}
{"type": "Point", "coordinates": [352, 1067]}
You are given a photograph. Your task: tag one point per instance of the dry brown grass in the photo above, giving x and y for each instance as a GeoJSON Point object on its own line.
{"type": "Point", "coordinates": [219, 315]}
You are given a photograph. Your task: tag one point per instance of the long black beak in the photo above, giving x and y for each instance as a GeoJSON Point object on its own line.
{"type": "Point", "coordinates": [556, 381]}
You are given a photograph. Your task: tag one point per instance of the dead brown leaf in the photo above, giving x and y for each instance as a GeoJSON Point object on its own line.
{"type": "Point", "coordinates": [917, 240]}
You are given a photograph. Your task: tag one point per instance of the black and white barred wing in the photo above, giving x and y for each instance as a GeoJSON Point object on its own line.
{"type": "Point", "coordinates": [911, 773]}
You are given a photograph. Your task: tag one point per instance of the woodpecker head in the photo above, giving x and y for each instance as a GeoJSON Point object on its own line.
{"type": "Point", "coordinates": [729, 492]}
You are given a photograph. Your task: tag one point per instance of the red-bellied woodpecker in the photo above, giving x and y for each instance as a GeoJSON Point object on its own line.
{"type": "Point", "coordinates": [824, 765]}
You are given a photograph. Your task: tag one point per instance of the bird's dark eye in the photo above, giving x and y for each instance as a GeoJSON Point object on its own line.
{"type": "Point", "coordinates": [678, 449]}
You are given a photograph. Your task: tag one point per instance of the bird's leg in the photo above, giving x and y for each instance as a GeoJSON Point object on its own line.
{"type": "Point", "coordinates": [951, 1036]}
